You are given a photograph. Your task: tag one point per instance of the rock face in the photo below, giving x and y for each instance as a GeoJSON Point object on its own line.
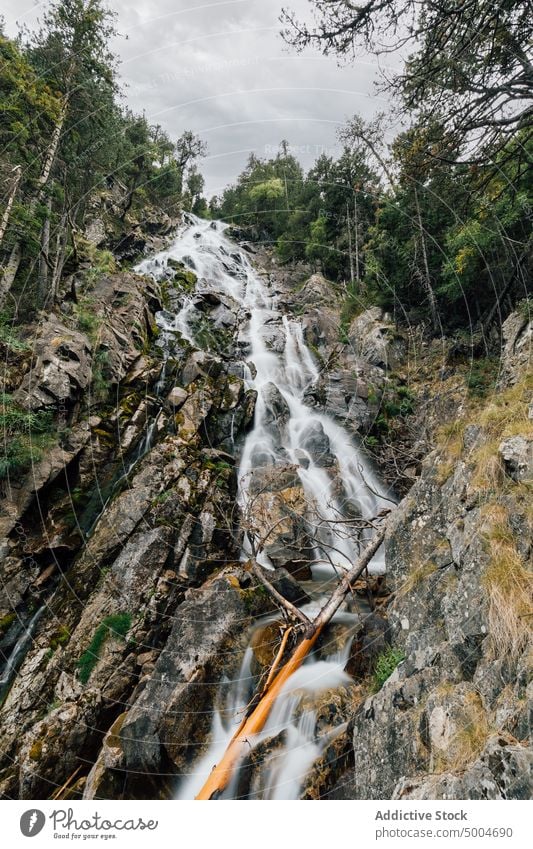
{"type": "Point", "coordinates": [452, 720]}
{"type": "Point", "coordinates": [120, 558]}
{"type": "Point", "coordinates": [517, 455]}
{"type": "Point", "coordinates": [136, 509]}
{"type": "Point", "coordinates": [171, 717]}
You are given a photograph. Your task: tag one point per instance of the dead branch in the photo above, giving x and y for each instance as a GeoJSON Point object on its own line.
{"type": "Point", "coordinates": [255, 722]}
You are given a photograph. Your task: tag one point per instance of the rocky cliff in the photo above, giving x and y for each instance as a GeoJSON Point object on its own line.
{"type": "Point", "coordinates": [121, 547]}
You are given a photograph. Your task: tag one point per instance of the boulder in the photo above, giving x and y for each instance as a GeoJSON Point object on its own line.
{"type": "Point", "coordinates": [315, 441]}
{"type": "Point", "coordinates": [177, 396]}
{"type": "Point", "coordinates": [517, 455]}
{"type": "Point", "coordinates": [200, 364]}
{"type": "Point", "coordinates": [373, 337]}
{"type": "Point", "coordinates": [62, 368]}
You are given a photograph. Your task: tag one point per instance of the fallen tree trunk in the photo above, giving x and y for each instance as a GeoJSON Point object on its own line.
{"type": "Point", "coordinates": [222, 773]}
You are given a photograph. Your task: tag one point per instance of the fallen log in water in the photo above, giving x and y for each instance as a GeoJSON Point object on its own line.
{"type": "Point", "coordinates": [223, 771]}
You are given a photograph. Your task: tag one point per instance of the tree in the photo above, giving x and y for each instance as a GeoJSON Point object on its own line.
{"type": "Point", "coordinates": [71, 55]}
{"type": "Point", "coordinates": [469, 66]}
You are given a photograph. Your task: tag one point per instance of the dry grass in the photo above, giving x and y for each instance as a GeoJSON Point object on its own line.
{"type": "Point", "coordinates": [470, 740]}
{"type": "Point", "coordinates": [509, 587]}
{"type": "Point", "coordinates": [417, 574]}
{"type": "Point", "coordinates": [503, 416]}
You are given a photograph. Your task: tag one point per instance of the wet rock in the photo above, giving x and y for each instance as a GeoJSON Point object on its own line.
{"type": "Point", "coordinates": [172, 714]}
{"type": "Point", "coordinates": [177, 396]}
{"type": "Point", "coordinates": [200, 364]}
{"type": "Point", "coordinates": [369, 642]}
{"type": "Point", "coordinates": [276, 414]}
{"type": "Point", "coordinates": [316, 442]}
{"type": "Point", "coordinates": [254, 780]}
{"type": "Point", "coordinates": [279, 517]}
{"type": "Point", "coordinates": [290, 589]}
{"type": "Point", "coordinates": [265, 643]}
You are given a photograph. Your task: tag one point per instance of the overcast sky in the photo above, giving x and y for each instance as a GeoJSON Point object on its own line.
{"type": "Point", "coordinates": [221, 69]}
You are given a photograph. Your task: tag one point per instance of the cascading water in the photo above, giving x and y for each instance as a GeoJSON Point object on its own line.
{"type": "Point", "coordinates": [337, 481]}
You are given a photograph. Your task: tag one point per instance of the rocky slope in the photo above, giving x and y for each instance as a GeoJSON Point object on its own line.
{"type": "Point", "coordinates": [121, 548]}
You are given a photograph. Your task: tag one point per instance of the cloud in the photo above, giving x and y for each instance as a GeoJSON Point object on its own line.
{"type": "Point", "coordinates": [222, 70]}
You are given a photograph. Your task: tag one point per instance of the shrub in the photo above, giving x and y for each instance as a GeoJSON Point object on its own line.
{"type": "Point", "coordinates": [25, 436]}
{"type": "Point", "coordinates": [9, 336]}
{"type": "Point", "coordinates": [116, 626]}
{"type": "Point", "coordinates": [386, 663]}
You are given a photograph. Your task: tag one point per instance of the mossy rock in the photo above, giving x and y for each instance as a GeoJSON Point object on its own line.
{"type": "Point", "coordinates": [182, 275]}
{"type": "Point", "coordinates": [36, 751]}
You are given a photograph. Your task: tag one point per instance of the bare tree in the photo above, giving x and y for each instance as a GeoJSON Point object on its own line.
{"type": "Point", "coordinates": [259, 527]}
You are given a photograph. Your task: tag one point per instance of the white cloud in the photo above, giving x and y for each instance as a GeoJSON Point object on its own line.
{"type": "Point", "coordinates": [222, 70]}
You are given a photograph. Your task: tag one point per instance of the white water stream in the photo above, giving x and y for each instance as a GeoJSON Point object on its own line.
{"type": "Point", "coordinates": [337, 480]}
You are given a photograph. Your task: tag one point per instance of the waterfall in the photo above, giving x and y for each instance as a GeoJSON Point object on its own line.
{"type": "Point", "coordinates": [335, 477]}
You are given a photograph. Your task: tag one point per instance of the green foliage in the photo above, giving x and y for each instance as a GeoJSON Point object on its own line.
{"type": "Point", "coordinates": [115, 626]}
{"type": "Point", "coordinates": [481, 377]}
{"type": "Point", "coordinates": [6, 621]}
{"type": "Point", "coordinates": [88, 321]}
{"type": "Point", "coordinates": [386, 663]}
{"type": "Point", "coordinates": [10, 336]}
{"type": "Point", "coordinates": [100, 383]}
{"type": "Point", "coordinates": [352, 305]}
{"type": "Point", "coordinates": [60, 637]}
{"type": "Point", "coordinates": [26, 435]}
{"type": "Point", "coordinates": [64, 74]}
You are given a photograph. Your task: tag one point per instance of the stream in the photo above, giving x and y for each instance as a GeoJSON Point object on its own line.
{"type": "Point", "coordinates": [339, 486]}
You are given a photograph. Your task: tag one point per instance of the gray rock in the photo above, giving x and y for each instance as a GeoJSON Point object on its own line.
{"type": "Point", "coordinates": [517, 455]}
{"type": "Point", "coordinates": [504, 770]}
{"type": "Point", "coordinates": [177, 396]}
{"type": "Point", "coordinates": [200, 364]}
{"type": "Point", "coordinates": [373, 337]}
{"type": "Point", "coordinates": [316, 442]}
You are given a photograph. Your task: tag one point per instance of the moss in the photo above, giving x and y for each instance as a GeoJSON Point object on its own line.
{"type": "Point", "coordinates": [162, 498]}
{"type": "Point", "coordinates": [60, 637]}
{"type": "Point", "coordinates": [116, 626]}
{"type": "Point", "coordinates": [36, 751]}
{"type": "Point", "coordinates": [7, 620]}
{"type": "Point", "coordinates": [254, 599]}
{"type": "Point", "coordinates": [184, 278]}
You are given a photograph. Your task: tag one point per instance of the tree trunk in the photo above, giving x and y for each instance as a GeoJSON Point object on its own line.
{"type": "Point", "coordinates": [59, 262]}
{"type": "Point", "coordinates": [51, 153]}
{"type": "Point", "coordinates": [356, 232]}
{"type": "Point", "coordinates": [7, 212]}
{"type": "Point", "coordinates": [10, 272]}
{"type": "Point", "coordinates": [350, 254]}
{"type": "Point", "coordinates": [44, 257]}
{"type": "Point", "coordinates": [426, 275]}
{"type": "Point", "coordinates": [255, 722]}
